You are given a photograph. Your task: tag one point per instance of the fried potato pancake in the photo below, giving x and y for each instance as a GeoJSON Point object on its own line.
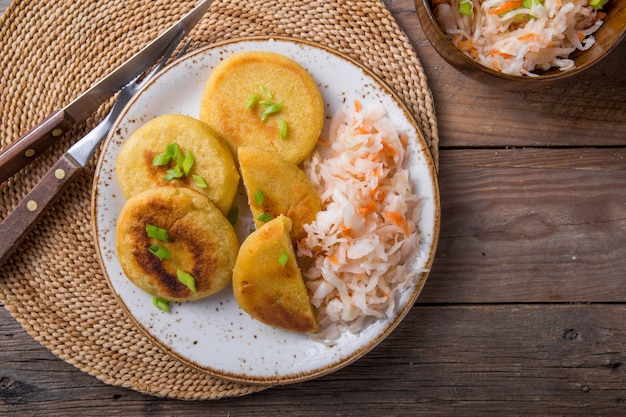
{"type": "Point", "coordinates": [200, 242]}
{"type": "Point", "coordinates": [267, 78]}
{"type": "Point", "coordinates": [270, 292]}
{"type": "Point", "coordinates": [213, 160]}
{"type": "Point", "coordinates": [285, 189]}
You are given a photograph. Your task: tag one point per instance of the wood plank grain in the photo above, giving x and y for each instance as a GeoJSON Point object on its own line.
{"type": "Point", "coordinates": [519, 225]}
{"type": "Point", "coordinates": [534, 225]}
{"type": "Point", "coordinates": [441, 361]}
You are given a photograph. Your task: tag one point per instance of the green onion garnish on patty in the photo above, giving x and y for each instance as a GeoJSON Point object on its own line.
{"type": "Point", "coordinates": [187, 279]}
{"type": "Point", "coordinates": [264, 217]}
{"type": "Point", "coordinates": [283, 258]}
{"type": "Point", "coordinates": [159, 251]}
{"type": "Point", "coordinates": [157, 233]}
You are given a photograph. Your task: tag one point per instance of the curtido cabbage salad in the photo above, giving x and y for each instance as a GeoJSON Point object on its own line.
{"type": "Point", "coordinates": [518, 37]}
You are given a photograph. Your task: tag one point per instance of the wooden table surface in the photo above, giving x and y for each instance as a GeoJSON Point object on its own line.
{"type": "Point", "coordinates": [524, 312]}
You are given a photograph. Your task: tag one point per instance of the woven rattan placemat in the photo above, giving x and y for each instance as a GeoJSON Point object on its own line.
{"type": "Point", "coordinates": [51, 51]}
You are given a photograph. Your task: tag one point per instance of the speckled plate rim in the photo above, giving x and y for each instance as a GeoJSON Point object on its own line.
{"type": "Point", "coordinates": [318, 356]}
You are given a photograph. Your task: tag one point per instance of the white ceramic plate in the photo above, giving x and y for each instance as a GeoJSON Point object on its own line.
{"type": "Point", "coordinates": [214, 334]}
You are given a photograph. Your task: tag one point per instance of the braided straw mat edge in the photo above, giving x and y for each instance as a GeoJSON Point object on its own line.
{"type": "Point", "coordinates": [51, 51]}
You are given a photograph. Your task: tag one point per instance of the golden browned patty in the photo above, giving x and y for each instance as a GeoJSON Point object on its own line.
{"type": "Point", "coordinates": [201, 242]}
{"type": "Point", "coordinates": [282, 187]}
{"type": "Point", "coordinates": [270, 292]}
{"type": "Point", "coordinates": [271, 77]}
{"type": "Point", "coordinates": [213, 161]}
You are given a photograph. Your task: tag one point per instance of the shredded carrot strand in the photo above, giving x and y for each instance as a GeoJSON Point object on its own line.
{"type": "Point", "coordinates": [404, 140]}
{"type": "Point", "coordinates": [500, 53]}
{"type": "Point", "coordinates": [373, 193]}
{"type": "Point", "coordinates": [346, 231]}
{"type": "Point", "coordinates": [527, 36]}
{"type": "Point", "coordinates": [508, 6]}
{"type": "Point", "coordinates": [466, 44]}
{"type": "Point", "coordinates": [323, 141]}
{"type": "Point", "coordinates": [357, 106]}
{"type": "Point", "coordinates": [363, 130]}
{"type": "Point", "coordinates": [495, 63]}
{"type": "Point", "coordinates": [367, 209]}
{"type": "Point", "coordinates": [389, 149]}
{"type": "Point", "coordinates": [398, 219]}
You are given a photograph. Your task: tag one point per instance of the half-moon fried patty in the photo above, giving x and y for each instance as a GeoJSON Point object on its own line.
{"type": "Point", "coordinates": [245, 85]}
{"type": "Point", "coordinates": [285, 188]}
{"type": "Point", "coordinates": [213, 161]}
{"type": "Point", "coordinates": [200, 242]}
{"type": "Point", "coordinates": [267, 283]}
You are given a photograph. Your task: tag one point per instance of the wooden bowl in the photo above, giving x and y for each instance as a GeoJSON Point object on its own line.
{"type": "Point", "coordinates": [610, 34]}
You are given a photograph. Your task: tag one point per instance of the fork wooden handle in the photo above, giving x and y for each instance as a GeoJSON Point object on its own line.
{"type": "Point", "coordinates": [30, 210]}
{"type": "Point", "coordinates": [33, 143]}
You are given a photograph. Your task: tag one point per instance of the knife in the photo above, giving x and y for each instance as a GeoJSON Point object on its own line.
{"type": "Point", "coordinates": [42, 136]}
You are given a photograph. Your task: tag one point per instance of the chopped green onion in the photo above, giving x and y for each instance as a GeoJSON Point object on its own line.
{"type": "Point", "coordinates": [200, 182]}
{"type": "Point", "coordinates": [164, 158]}
{"type": "Point", "coordinates": [259, 197]}
{"type": "Point", "coordinates": [187, 279]}
{"type": "Point", "coordinates": [161, 303]}
{"type": "Point", "coordinates": [283, 258]}
{"type": "Point", "coordinates": [529, 3]}
{"type": "Point", "coordinates": [274, 108]}
{"type": "Point", "coordinates": [171, 149]}
{"type": "Point", "coordinates": [173, 173]}
{"type": "Point", "coordinates": [598, 4]}
{"type": "Point", "coordinates": [282, 129]}
{"type": "Point", "coordinates": [157, 233]}
{"type": "Point", "coordinates": [267, 93]}
{"type": "Point", "coordinates": [465, 7]}
{"type": "Point", "coordinates": [161, 159]}
{"type": "Point", "coordinates": [270, 107]}
{"type": "Point", "coordinates": [251, 101]}
{"type": "Point", "coordinates": [183, 163]}
{"type": "Point", "coordinates": [159, 251]}
{"type": "Point", "coordinates": [178, 157]}
{"type": "Point", "coordinates": [264, 217]}
{"type": "Point", "coordinates": [232, 215]}
{"type": "Point", "coordinates": [188, 162]}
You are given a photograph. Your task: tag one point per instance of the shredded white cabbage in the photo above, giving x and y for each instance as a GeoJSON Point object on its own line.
{"type": "Point", "coordinates": [361, 244]}
{"type": "Point", "coordinates": [518, 37]}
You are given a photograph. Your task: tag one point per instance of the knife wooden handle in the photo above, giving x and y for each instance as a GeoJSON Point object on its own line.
{"type": "Point", "coordinates": [33, 143]}
{"type": "Point", "coordinates": [21, 220]}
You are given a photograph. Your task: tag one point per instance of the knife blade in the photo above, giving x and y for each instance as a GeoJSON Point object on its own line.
{"type": "Point", "coordinates": [42, 136]}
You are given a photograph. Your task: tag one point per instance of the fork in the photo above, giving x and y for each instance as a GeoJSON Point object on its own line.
{"type": "Point", "coordinates": [29, 211]}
